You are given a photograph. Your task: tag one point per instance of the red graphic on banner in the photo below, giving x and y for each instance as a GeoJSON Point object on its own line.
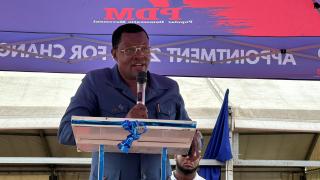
{"type": "Point", "coordinates": [264, 18]}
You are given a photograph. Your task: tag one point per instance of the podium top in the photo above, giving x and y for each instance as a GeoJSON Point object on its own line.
{"type": "Point", "coordinates": [150, 123]}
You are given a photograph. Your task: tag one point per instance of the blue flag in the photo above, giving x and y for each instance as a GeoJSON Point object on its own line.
{"type": "Point", "coordinates": [219, 144]}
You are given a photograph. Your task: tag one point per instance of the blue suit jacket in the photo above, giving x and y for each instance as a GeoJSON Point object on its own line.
{"type": "Point", "coordinates": [104, 94]}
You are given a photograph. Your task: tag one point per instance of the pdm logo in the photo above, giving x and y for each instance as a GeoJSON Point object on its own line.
{"type": "Point", "coordinates": [142, 13]}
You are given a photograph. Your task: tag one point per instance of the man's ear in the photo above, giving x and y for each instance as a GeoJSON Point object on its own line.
{"type": "Point", "coordinates": [175, 157]}
{"type": "Point", "coordinates": [114, 54]}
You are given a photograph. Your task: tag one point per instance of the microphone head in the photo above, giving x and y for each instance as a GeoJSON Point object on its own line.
{"type": "Point", "coordinates": [142, 77]}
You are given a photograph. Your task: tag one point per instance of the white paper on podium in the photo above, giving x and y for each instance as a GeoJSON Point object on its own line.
{"type": "Point", "coordinates": [90, 132]}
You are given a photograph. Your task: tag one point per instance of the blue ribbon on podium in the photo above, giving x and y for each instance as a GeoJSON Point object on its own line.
{"type": "Point", "coordinates": [133, 127]}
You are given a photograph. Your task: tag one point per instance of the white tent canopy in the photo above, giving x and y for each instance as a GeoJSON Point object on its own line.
{"type": "Point", "coordinates": [38, 100]}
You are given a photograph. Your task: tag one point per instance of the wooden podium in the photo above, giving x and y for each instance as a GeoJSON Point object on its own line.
{"type": "Point", "coordinates": [102, 134]}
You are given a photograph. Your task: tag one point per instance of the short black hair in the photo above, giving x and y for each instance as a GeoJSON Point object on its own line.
{"type": "Point", "coordinates": [126, 28]}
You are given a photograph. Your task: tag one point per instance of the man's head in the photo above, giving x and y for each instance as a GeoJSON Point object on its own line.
{"type": "Point", "coordinates": [188, 164]}
{"type": "Point", "coordinates": [130, 48]}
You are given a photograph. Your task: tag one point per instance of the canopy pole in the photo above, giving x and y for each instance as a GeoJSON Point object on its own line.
{"type": "Point", "coordinates": [230, 163]}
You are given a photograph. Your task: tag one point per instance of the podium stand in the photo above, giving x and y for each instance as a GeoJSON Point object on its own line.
{"type": "Point", "coordinates": [102, 134]}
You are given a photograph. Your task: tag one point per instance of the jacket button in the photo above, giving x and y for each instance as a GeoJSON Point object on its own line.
{"type": "Point", "coordinates": [144, 176]}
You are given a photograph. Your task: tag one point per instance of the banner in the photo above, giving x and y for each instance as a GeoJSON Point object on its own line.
{"type": "Point", "coordinates": [201, 56]}
{"type": "Point", "coordinates": [188, 38]}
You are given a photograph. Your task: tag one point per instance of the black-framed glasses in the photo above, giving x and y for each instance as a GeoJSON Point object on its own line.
{"type": "Point", "coordinates": [133, 50]}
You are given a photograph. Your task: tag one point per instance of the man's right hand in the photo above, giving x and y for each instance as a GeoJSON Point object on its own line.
{"type": "Point", "coordinates": [138, 111]}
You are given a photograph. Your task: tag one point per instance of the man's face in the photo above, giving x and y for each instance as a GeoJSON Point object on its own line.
{"type": "Point", "coordinates": [131, 54]}
{"type": "Point", "coordinates": [187, 164]}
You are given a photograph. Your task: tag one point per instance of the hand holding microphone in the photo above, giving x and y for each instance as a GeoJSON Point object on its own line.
{"type": "Point", "coordinates": [140, 110]}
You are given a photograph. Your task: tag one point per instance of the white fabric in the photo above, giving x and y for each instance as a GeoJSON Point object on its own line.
{"type": "Point", "coordinates": [195, 178]}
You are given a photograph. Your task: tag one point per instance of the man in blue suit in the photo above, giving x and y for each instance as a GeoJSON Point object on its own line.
{"type": "Point", "coordinates": [111, 92]}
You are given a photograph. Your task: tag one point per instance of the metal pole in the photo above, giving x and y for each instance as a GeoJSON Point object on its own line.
{"type": "Point", "coordinates": [101, 162]}
{"type": "Point", "coordinates": [229, 164]}
{"type": "Point", "coordinates": [164, 163]}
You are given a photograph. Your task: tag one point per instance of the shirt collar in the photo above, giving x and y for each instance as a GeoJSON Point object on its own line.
{"type": "Point", "coordinates": [195, 178]}
{"type": "Point", "coordinates": [155, 83]}
{"type": "Point", "coordinates": [118, 82]}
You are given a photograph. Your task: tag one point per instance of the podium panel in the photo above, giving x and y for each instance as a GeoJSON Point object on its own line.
{"type": "Point", "coordinates": [91, 132]}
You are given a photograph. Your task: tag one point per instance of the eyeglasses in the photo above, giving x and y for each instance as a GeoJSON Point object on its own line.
{"type": "Point", "coordinates": [130, 51]}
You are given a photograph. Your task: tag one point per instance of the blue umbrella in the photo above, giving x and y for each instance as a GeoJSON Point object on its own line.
{"type": "Point", "coordinates": [219, 144]}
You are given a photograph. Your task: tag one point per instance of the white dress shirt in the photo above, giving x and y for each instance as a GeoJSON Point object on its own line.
{"type": "Point", "coordinates": [197, 177]}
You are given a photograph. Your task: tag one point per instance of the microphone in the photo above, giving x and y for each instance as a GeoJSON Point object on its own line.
{"type": "Point", "coordinates": [141, 87]}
